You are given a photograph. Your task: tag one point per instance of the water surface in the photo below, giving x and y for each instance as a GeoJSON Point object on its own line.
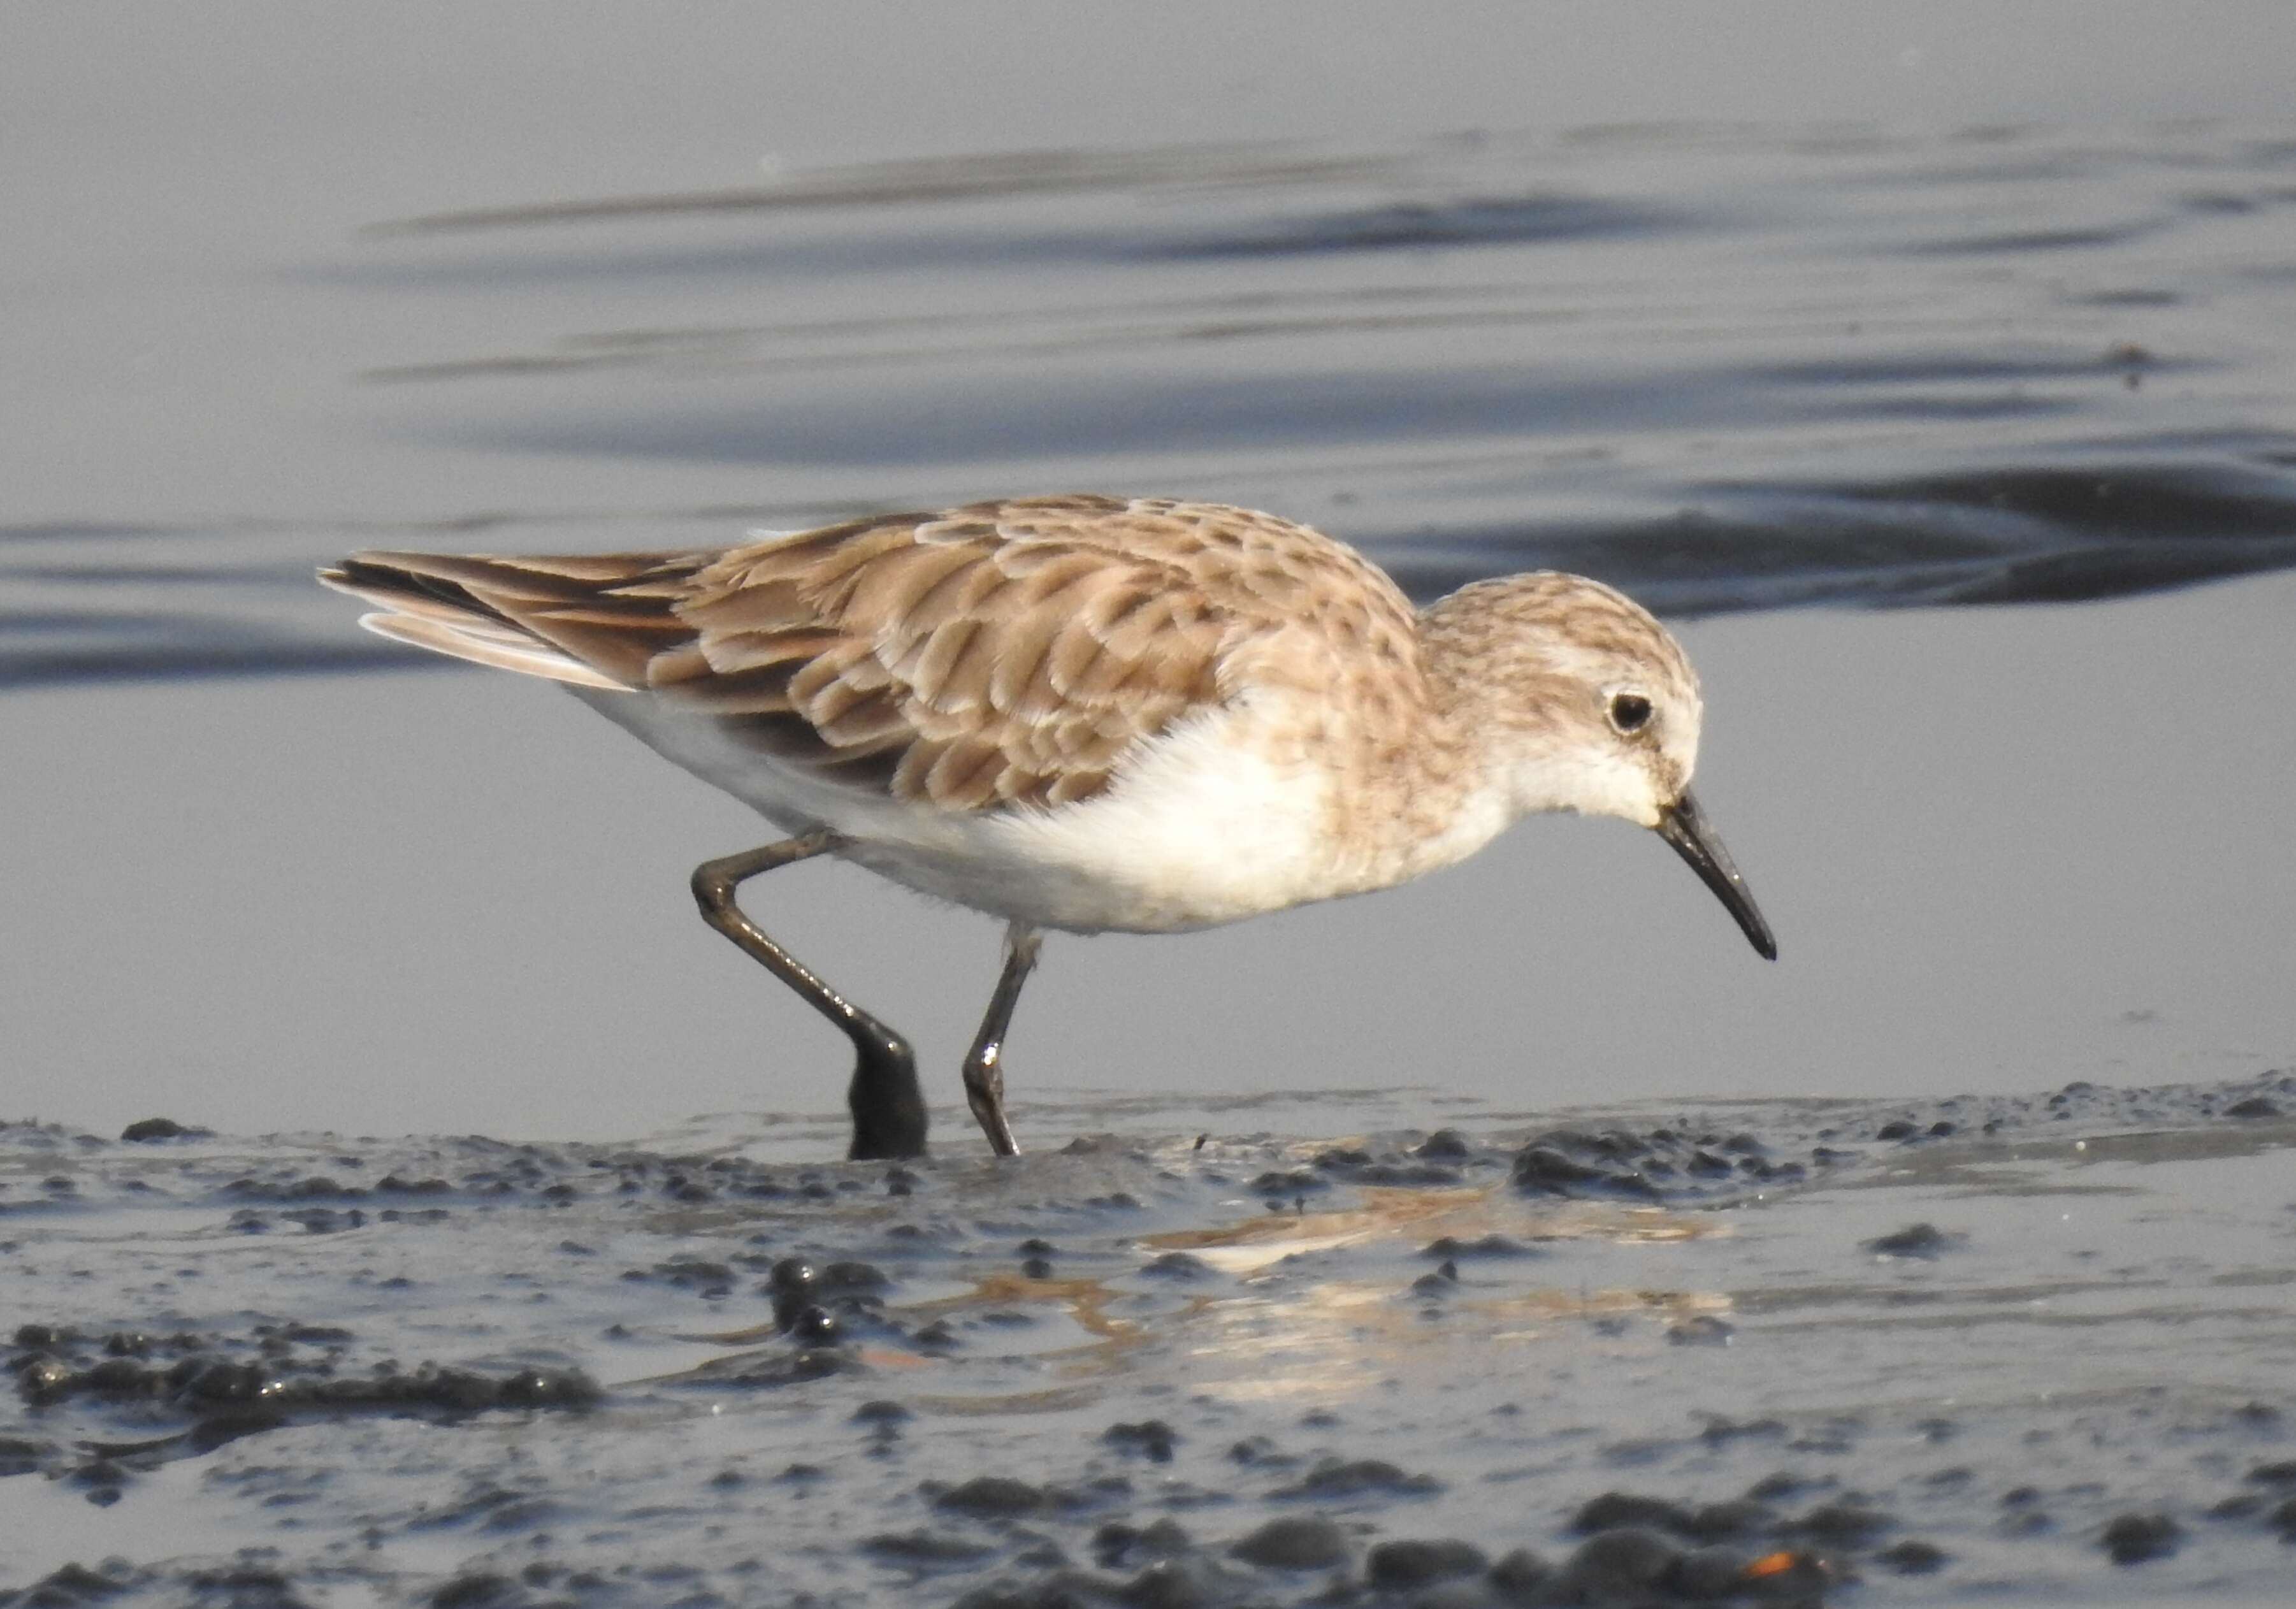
{"type": "Point", "coordinates": [1728, 368]}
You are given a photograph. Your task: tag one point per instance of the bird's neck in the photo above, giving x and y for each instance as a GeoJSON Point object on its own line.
{"type": "Point", "coordinates": [1461, 798]}
{"type": "Point", "coordinates": [1434, 793]}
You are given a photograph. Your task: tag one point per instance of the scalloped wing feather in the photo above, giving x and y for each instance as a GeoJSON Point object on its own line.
{"type": "Point", "coordinates": [999, 655]}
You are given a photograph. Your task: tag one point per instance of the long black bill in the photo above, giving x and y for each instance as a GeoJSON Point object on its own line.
{"type": "Point", "coordinates": [1684, 825]}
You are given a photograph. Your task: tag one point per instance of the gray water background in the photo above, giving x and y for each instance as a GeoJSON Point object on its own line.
{"type": "Point", "coordinates": [1801, 305]}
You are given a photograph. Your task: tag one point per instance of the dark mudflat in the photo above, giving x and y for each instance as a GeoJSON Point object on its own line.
{"type": "Point", "coordinates": [2038, 1346]}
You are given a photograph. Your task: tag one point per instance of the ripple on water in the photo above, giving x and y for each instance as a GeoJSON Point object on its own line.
{"type": "Point", "coordinates": [2057, 370]}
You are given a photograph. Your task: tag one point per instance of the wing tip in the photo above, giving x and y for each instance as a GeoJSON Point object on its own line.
{"type": "Point", "coordinates": [530, 658]}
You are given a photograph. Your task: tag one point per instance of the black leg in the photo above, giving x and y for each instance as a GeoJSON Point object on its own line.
{"type": "Point", "coordinates": [984, 1068]}
{"type": "Point", "coordinates": [889, 1109]}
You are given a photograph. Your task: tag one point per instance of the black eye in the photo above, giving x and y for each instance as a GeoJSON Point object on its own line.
{"type": "Point", "coordinates": [1629, 712]}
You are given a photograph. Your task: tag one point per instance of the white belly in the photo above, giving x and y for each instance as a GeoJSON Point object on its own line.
{"type": "Point", "coordinates": [1200, 828]}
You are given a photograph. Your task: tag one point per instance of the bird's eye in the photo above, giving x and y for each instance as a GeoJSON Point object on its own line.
{"type": "Point", "coordinates": [1629, 712]}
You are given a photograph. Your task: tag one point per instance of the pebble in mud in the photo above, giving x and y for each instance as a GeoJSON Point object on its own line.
{"type": "Point", "coordinates": [473, 1589]}
{"type": "Point", "coordinates": [882, 1417]}
{"type": "Point", "coordinates": [2021, 1516]}
{"type": "Point", "coordinates": [791, 1287]}
{"type": "Point", "coordinates": [1302, 1542]}
{"type": "Point", "coordinates": [1178, 1264]}
{"type": "Point", "coordinates": [811, 1301]}
{"type": "Point", "coordinates": [1914, 1239]}
{"type": "Point", "coordinates": [1152, 1439]}
{"type": "Point", "coordinates": [1403, 1563]}
{"type": "Point", "coordinates": [993, 1497]}
{"type": "Point", "coordinates": [1450, 1248]}
{"type": "Point", "coordinates": [1616, 1566]}
{"type": "Point", "coordinates": [1358, 1477]}
{"type": "Point", "coordinates": [1721, 1429]}
{"type": "Point", "coordinates": [1548, 1172]}
{"type": "Point", "coordinates": [1116, 1543]}
{"type": "Point", "coordinates": [1521, 1577]}
{"type": "Point", "coordinates": [73, 1585]}
{"type": "Point", "coordinates": [1618, 1510]}
{"type": "Point", "coordinates": [2138, 1538]}
{"type": "Point", "coordinates": [925, 1549]}
{"type": "Point", "coordinates": [1912, 1558]}
{"type": "Point", "coordinates": [44, 1380]}
{"type": "Point", "coordinates": [151, 1129]}
{"type": "Point", "coordinates": [1441, 1283]}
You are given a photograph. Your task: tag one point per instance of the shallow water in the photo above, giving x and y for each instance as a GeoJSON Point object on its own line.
{"type": "Point", "coordinates": [1744, 314]}
{"type": "Point", "coordinates": [1725, 368]}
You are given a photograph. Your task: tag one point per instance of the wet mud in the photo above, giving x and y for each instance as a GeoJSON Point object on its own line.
{"type": "Point", "coordinates": [2036, 1348]}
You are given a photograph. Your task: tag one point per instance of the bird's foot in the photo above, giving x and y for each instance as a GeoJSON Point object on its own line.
{"type": "Point", "coordinates": [887, 1103]}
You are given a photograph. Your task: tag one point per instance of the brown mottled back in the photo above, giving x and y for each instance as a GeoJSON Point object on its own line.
{"type": "Point", "coordinates": [999, 654]}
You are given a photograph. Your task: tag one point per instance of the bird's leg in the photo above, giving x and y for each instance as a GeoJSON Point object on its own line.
{"type": "Point", "coordinates": [889, 1109]}
{"type": "Point", "coordinates": [984, 1067]}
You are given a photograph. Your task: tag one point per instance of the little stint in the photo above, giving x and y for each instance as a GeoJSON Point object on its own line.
{"type": "Point", "coordinates": [1092, 714]}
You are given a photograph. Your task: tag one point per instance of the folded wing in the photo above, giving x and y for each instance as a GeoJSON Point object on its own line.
{"type": "Point", "coordinates": [999, 655]}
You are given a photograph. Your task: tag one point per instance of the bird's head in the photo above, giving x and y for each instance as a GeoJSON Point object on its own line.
{"type": "Point", "coordinates": [1584, 703]}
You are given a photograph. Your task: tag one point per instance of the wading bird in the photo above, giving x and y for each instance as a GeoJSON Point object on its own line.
{"type": "Point", "coordinates": [1089, 714]}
